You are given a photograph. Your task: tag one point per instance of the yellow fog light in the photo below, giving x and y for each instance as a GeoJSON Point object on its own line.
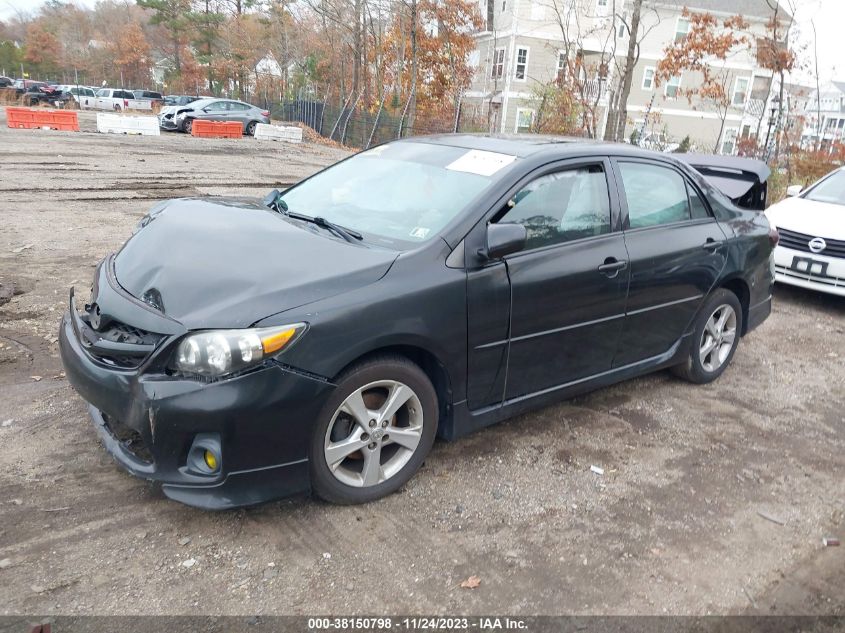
{"type": "Point", "coordinates": [210, 459]}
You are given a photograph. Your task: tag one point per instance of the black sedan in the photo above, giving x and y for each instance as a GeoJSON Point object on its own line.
{"type": "Point", "coordinates": [238, 351]}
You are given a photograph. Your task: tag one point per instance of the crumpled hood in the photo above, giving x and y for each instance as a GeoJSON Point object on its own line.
{"type": "Point", "coordinates": [226, 263]}
{"type": "Point", "coordinates": [820, 219]}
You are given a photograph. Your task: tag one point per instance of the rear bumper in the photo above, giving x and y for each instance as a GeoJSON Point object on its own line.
{"type": "Point", "coordinates": [759, 313]}
{"type": "Point", "coordinates": [149, 422]}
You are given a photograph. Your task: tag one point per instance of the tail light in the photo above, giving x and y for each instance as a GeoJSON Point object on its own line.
{"type": "Point", "coordinates": [265, 113]}
{"type": "Point", "coordinates": [126, 103]}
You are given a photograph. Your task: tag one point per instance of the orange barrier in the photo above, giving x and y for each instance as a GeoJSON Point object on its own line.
{"type": "Point", "coordinates": [31, 118]}
{"type": "Point", "coordinates": [217, 129]}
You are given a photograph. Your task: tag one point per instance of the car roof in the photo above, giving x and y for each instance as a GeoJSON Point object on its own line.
{"type": "Point", "coordinates": [524, 145]}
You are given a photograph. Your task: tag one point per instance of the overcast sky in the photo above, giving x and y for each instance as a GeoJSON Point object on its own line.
{"type": "Point", "coordinates": [828, 16]}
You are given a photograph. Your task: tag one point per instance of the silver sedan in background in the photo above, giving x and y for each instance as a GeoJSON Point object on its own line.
{"type": "Point", "coordinates": [212, 109]}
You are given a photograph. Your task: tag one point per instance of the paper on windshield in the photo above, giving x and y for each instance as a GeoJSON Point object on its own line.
{"type": "Point", "coordinates": [477, 161]}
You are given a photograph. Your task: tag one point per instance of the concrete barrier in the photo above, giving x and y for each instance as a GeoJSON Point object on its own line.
{"type": "Point", "coordinates": [290, 134]}
{"type": "Point", "coordinates": [118, 124]}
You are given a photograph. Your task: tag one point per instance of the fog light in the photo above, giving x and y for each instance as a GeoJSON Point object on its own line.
{"type": "Point", "coordinates": [210, 459]}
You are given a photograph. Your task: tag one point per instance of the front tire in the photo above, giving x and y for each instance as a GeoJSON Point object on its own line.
{"type": "Point", "coordinates": [250, 128]}
{"type": "Point", "coordinates": [714, 340]}
{"type": "Point", "coordinates": [187, 126]}
{"type": "Point", "coordinates": [374, 432]}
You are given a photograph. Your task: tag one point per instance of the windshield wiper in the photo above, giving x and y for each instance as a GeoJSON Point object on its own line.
{"type": "Point", "coordinates": [348, 234]}
{"type": "Point", "coordinates": [275, 202]}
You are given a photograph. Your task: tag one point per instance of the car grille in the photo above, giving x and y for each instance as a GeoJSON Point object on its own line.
{"type": "Point", "coordinates": [800, 242]}
{"type": "Point", "coordinates": [121, 333]}
{"type": "Point", "coordinates": [131, 440]}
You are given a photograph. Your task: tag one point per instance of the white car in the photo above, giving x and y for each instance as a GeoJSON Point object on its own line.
{"type": "Point", "coordinates": [811, 225]}
{"type": "Point", "coordinates": [83, 96]}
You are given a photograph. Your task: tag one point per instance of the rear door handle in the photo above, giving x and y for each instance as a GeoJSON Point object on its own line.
{"type": "Point", "coordinates": [711, 245]}
{"type": "Point", "coordinates": [612, 266]}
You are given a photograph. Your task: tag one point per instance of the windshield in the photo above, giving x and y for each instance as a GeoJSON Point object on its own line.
{"type": "Point", "coordinates": [831, 189]}
{"type": "Point", "coordinates": [399, 194]}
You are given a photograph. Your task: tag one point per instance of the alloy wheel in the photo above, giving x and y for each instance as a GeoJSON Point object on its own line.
{"type": "Point", "coordinates": [374, 433]}
{"type": "Point", "coordinates": [718, 338]}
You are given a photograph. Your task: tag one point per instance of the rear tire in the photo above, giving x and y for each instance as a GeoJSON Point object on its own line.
{"type": "Point", "coordinates": [374, 431]}
{"type": "Point", "coordinates": [714, 339]}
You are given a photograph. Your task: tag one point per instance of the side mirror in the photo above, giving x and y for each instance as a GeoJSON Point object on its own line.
{"type": "Point", "coordinates": [504, 239]}
{"type": "Point", "coordinates": [793, 190]}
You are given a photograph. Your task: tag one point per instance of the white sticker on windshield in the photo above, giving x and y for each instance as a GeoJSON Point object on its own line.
{"type": "Point", "coordinates": [420, 232]}
{"type": "Point", "coordinates": [477, 161]}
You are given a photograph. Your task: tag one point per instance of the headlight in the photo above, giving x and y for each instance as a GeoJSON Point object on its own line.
{"type": "Point", "coordinates": [220, 352]}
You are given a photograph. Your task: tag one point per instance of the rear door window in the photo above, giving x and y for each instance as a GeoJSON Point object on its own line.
{"type": "Point", "coordinates": [655, 194]}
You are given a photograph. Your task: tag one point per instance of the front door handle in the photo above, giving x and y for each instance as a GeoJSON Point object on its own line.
{"type": "Point", "coordinates": [611, 267]}
{"type": "Point", "coordinates": [711, 245]}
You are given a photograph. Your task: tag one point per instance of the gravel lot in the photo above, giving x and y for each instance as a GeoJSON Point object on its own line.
{"type": "Point", "coordinates": [715, 499]}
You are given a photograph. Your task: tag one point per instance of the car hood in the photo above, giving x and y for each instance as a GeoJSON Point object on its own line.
{"type": "Point", "coordinates": [820, 219]}
{"type": "Point", "coordinates": [228, 263]}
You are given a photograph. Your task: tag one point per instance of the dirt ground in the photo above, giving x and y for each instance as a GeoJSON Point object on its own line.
{"type": "Point", "coordinates": [714, 499]}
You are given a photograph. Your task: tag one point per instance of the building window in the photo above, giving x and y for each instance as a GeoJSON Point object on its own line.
{"type": "Point", "coordinates": [648, 78]}
{"type": "Point", "coordinates": [491, 7]}
{"type": "Point", "coordinates": [673, 86]}
{"type": "Point", "coordinates": [524, 119]}
{"type": "Point", "coordinates": [521, 66]}
{"type": "Point", "coordinates": [561, 66]}
{"type": "Point", "coordinates": [504, 4]}
{"type": "Point", "coordinates": [681, 29]}
{"type": "Point", "coordinates": [740, 91]}
{"type": "Point", "coordinates": [498, 63]}
{"type": "Point", "coordinates": [601, 7]}
{"type": "Point", "coordinates": [729, 141]}
{"type": "Point", "coordinates": [622, 29]}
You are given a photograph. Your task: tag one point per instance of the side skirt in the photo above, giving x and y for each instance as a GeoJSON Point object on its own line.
{"type": "Point", "coordinates": [463, 421]}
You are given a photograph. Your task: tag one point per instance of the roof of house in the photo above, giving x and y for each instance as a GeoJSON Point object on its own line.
{"type": "Point", "coordinates": [752, 8]}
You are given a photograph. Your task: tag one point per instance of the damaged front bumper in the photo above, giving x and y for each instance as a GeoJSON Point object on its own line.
{"type": "Point", "coordinates": [151, 422]}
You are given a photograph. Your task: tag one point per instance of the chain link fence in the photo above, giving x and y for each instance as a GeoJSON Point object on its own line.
{"type": "Point", "coordinates": [361, 128]}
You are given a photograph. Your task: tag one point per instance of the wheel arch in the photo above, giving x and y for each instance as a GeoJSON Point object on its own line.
{"type": "Point", "coordinates": [738, 286]}
{"type": "Point", "coordinates": [426, 360]}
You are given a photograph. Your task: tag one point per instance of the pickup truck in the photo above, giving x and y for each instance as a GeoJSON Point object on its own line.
{"type": "Point", "coordinates": [117, 100]}
{"type": "Point", "coordinates": [82, 95]}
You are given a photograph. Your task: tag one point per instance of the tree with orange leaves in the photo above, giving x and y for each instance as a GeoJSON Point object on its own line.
{"type": "Point", "coordinates": [41, 49]}
{"type": "Point", "coordinates": [707, 40]}
{"type": "Point", "coordinates": [131, 53]}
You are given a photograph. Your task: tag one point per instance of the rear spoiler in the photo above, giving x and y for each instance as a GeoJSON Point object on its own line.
{"type": "Point", "coordinates": [743, 180]}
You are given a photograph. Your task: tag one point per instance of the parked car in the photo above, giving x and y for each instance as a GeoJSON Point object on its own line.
{"type": "Point", "coordinates": [657, 141]}
{"type": "Point", "coordinates": [155, 97]}
{"type": "Point", "coordinates": [180, 100]}
{"type": "Point", "coordinates": [82, 95]}
{"type": "Point", "coordinates": [811, 224]}
{"type": "Point", "coordinates": [239, 352]}
{"type": "Point", "coordinates": [113, 99]}
{"type": "Point", "coordinates": [45, 94]}
{"type": "Point", "coordinates": [5, 82]}
{"type": "Point", "coordinates": [213, 109]}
